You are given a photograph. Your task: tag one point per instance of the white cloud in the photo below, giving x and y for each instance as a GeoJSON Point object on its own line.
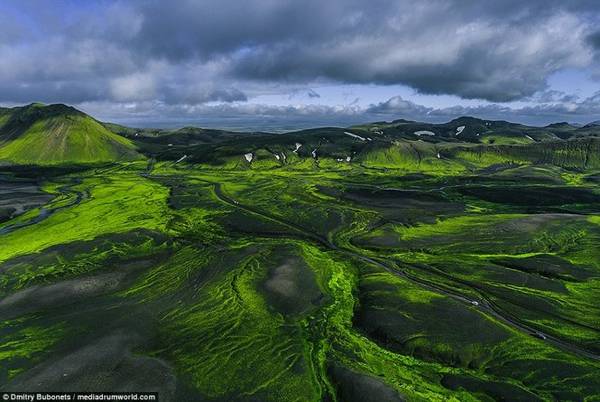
{"type": "Point", "coordinates": [137, 86]}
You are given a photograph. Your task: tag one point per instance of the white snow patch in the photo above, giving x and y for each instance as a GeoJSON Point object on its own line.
{"type": "Point", "coordinates": [277, 157]}
{"type": "Point", "coordinates": [529, 138]}
{"type": "Point", "coordinates": [459, 129]}
{"type": "Point", "coordinates": [170, 145]}
{"type": "Point", "coordinates": [181, 159]}
{"type": "Point", "coordinates": [314, 153]}
{"type": "Point", "coordinates": [348, 159]}
{"type": "Point", "coordinates": [439, 156]}
{"type": "Point", "coordinates": [423, 132]}
{"type": "Point", "coordinates": [298, 146]}
{"type": "Point", "coordinates": [249, 156]}
{"type": "Point", "coordinates": [354, 135]}
{"type": "Point", "coordinates": [283, 156]}
{"type": "Point", "coordinates": [369, 139]}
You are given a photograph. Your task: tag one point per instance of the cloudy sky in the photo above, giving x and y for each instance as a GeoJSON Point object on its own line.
{"type": "Point", "coordinates": [283, 64]}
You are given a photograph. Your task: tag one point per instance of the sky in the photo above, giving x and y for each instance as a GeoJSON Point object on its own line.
{"type": "Point", "coordinates": [287, 64]}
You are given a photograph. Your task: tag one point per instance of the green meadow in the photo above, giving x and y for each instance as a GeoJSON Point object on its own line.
{"type": "Point", "coordinates": [288, 284]}
{"type": "Point", "coordinates": [419, 271]}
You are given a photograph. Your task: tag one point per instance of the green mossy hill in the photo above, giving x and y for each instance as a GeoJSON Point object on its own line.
{"type": "Point", "coordinates": [58, 134]}
{"type": "Point", "coordinates": [579, 153]}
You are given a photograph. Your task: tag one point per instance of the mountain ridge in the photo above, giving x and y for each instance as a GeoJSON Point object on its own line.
{"type": "Point", "coordinates": [61, 134]}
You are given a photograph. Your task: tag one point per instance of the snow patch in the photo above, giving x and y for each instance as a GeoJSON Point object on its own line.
{"type": "Point", "coordinates": [277, 157]}
{"type": "Point", "coordinates": [439, 156]}
{"type": "Point", "coordinates": [314, 153]}
{"type": "Point", "coordinates": [249, 156]}
{"type": "Point", "coordinates": [423, 132]}
{"type": "Point", "coordinates": [298, 146]}
{"type": "Point", "coordinates": [348, 159]}
{"type": "Point", "coordinates": [181, 159]}
{"type": "Point", "coordinates": [354, 135]}
{"type": "Point", "coordinates": [459, 129]}
{"type": "Point", "coordinates": [529, 138]}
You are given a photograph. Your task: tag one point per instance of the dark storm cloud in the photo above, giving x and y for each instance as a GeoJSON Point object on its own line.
{"type": "Point", "coordinates": [498, 51]}
{"type": "Point", "coordinates": [594, 40]}
{"type": "Point", "coordinates": [192, 52]}
{"type": "Point", "coordinates": [303, 93]}
{"type": "Point", "coordinates": [437, 47]}
{"type": "Point", "coordinates": [222, 95]}
{"type": "Point", "coordinates": [312, 94]}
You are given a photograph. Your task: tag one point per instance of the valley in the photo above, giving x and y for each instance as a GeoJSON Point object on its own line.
{"type": "Point", "coordinates": [388, 265]}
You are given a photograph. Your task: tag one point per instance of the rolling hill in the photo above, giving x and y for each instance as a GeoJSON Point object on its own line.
{"type": "Point", "coordinates": [462, 144]}
{"type": "Point", "coordinates": [58, 134]}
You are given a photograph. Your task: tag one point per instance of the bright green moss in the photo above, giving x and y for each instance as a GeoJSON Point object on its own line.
{"type": "Point", "coordinates": [224, 337]}
{"type": "Point", "coordinates": [29, 343]}
{"type": "Point", "coordinates": [67, 139]}
{"type": "Point", "coordinates": [115, 205]}
{"type": "Point", "coordinates": [229, 342]}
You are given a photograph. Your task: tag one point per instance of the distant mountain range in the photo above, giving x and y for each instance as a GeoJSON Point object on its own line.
{"type": "Point", "coordinates": [59, 134]}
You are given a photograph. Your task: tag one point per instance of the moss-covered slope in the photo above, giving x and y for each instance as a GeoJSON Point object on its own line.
{"type": "Point", "coordinates": [58, 134]}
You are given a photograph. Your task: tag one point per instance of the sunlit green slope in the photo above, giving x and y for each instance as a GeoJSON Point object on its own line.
{"type": "Point", "coordinates": [58, 134]}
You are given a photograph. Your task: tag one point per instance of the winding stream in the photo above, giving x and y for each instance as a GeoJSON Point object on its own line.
{"type": "Point", "coordinates": [47, 212]}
